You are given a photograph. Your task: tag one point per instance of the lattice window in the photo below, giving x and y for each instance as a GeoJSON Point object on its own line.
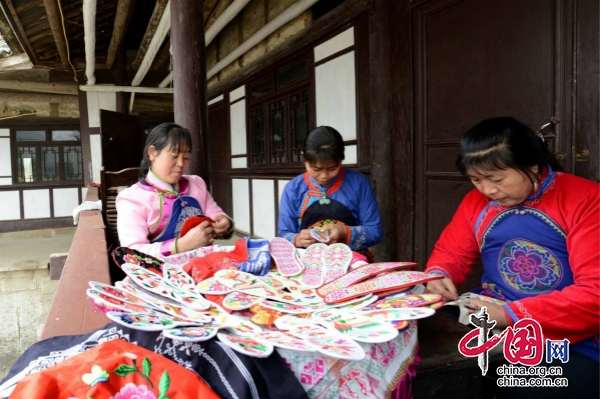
{"type": "Point", "coordinates": [26, 164]}
{"type": "Point", "coordinates": [279, 115]}
{"type": "Point", "coordinates": [48, 156]}
{"type": "Point", "coordinates": [278, 150]}
{"type": "Point", "coordinates": [50, 164]}
{"type": "Point", "coordinates": [258, 136]}
{"type": "Point", "coordinates": [73, 163]}
{"type": "Point", "coordinates": [299, 122]}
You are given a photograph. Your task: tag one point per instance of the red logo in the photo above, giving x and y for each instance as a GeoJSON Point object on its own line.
{"type": "Point", "coordinates": [523, 342]}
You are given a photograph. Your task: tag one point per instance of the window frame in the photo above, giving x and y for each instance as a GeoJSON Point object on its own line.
{"type": "Point", "coordinates": [263, 102]}
{"type": "Point", "coordinates": [15, 144]}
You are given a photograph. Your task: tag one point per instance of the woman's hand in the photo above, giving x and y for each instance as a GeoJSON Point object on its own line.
{"type": "Point", "coordinates": [199, 236]}
{"type": "Point", "coordinates": [221, 225]}
{"type": "Point", "coordinates": [304, 239]}
{"type": "Point", "coordinates": [336, 232]}
{"type": "Point", "coordinates": [444, 287]}
{"type": "Point", "coordinates": [495, 312]}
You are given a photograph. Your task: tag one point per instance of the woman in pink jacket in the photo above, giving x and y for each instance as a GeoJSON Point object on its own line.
{"type": "Point", "coordinates": [152, 212]}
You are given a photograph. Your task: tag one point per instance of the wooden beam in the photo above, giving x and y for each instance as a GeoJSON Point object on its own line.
{"type": "Point", "coordinates": [55, 21]}
{"type": "Point", "coordinates": [20, 61]}
{"type": "Point", "coordinates": [163, 58]}
{"type": "Point", "coordinates": [159, 9]}
{"type": "Point", "coordinates": [9, 36]}
{"type": "Point", "coordinates": [157, 40]}
{"type": "Point", "coordinates": [38, 98]}
{"type": "Point", "coordinates": [287, 15]}
{"type": "Point", "coordinates": [89, 27]}
{"type": "Point", "coordinates": [13, 18]}
{"type": "Point", "coordinates": [123, 17]}
{"type": "Point", "coordinates": [340, 16]}
{"type": "Point", "coordinates": [38, 87]}
{"type": "Point", "coordinates": [221, 22]}
{"type": "Point", "coordinates": [127, 89]}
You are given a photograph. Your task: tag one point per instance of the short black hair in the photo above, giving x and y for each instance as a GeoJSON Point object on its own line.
{"type": "Point", "coordinates": [324, 143]}
{"type": "Point", "coordinates": [504, 143]}
{"type": "Point", "coordinates": [165, 135]}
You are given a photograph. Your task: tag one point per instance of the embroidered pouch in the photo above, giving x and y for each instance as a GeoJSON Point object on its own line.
{"type": "Point", "coordinates": [114, 369]}
{"type": "Point", "coordinates": [192, 222]}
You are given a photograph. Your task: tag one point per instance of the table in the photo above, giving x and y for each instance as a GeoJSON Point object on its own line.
{"type": "Point", "coordinates": [386, 371]}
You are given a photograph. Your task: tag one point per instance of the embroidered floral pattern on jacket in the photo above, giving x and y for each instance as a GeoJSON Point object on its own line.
{"type": "Point", "coordinates": [529, 267]}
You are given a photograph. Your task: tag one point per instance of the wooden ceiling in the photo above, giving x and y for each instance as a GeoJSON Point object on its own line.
{"type": "Point", "coordinates": [30, 20]}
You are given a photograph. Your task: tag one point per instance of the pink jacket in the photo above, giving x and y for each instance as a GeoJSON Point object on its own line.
{"type": "Point", "coordinates": [139, 209]}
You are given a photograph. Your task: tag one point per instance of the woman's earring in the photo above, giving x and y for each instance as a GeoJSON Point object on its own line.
{"type": "Point", "coordinates": [535, 185]}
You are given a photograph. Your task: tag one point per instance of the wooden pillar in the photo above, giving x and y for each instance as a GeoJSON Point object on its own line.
{"type": "Point", "coordinates": [189, 76]}
{"type": "Point", "coordinates": [401, 127]}
{"type": "Point", "coordinates": [382, 154]}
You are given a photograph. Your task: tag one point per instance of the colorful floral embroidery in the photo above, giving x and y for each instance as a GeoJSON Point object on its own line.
{"type": "Point", "coordinates": [131, 391]}
{"type": "Point", "coordinates": [529, 267]}
{"type": "Point", "coordinates": [124, 255]}
{"type": "Point", "coordinates": [491, 290]}
{"type": "Point", "coordinates": [131, 259]}
{"type": "Point", "coordinates": [378, 374]}
{"type": "Point", "coordinates": [97, 375]}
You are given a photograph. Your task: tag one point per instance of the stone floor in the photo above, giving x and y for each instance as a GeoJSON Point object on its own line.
{"type": "Point", "coordinates": [26, 291]}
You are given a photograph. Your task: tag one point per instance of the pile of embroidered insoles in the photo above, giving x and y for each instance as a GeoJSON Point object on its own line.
{"type": "Point", "coordinates": [330, 319]}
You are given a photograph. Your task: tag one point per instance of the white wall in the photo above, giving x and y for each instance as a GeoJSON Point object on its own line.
{"type": "Point", "coordinates": [351, 155]}
{"type": "Point", "coordinates": [335, 84]}
{"type": "Point", "coordinates": [36, 203]}
{"type": "Point", "coordinates": [263, 208]}
{"type": "Point", "coordinates": [97, 101]}
{"type": "Point", "coordinates": [239, 163]}
{"type": "Point", "coordinates": [5, 160]}
{"type": "Point", "coordinates": [237, 117]}
{"type": "Point", "coordinates": [241, 204]}
{"type": "Point", "coordinates": [335, 44]}
{"type": "Point", "coordinates": [96, 149]}
{"type": "Point", "coordinates": [65, 200]}
{"type": "Point", "coordinates": [280, 186]}
{"type": "Point", "coordinates": [10, 206]}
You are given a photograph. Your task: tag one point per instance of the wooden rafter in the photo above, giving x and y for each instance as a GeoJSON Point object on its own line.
{"type": "Point", "coordinates": [163, 58]}
{"type": "Point", "coordinates": [126, 89]}
{"type": "Point", "coordinates": [39, 87]}
{"type": "Point", "coordinates": [159, 9]}
{"type": "Point", "coordinates": [11, 14]}
{"type": "Point", "coordinates": [43, 98]}
{"type": "Point", "coordinates": [55, 21]}
{"type": "Point", "coordinates": [155, 44]}
{"type": "Point", "coordinates": [124, 13]}
{"type": "Point", "coordinates": [9, 36]}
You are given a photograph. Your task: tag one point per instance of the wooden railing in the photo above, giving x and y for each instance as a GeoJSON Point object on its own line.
{"type": "Point", "coordinates": [71, 311]}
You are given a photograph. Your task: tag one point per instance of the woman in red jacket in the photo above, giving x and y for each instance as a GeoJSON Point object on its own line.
{"type": "Point", "coordinates": [536, 231]}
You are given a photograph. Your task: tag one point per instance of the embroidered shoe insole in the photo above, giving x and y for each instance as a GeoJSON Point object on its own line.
{"type": "Point", "coordinates": [312, 259]}
{"type": "Point", "coordinates": [336, 260]}
{"type": "Point", "coordinates": [284, 254]}
{"type": "Point", "coordinates": [381, 283]}
{"type": "Point", "coordinates": [407, 301]}
{"type": "Point", "coordinates": [361, 273]}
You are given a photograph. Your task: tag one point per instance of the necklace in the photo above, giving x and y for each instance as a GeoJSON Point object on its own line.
{"type": "Point", "coordinates": [324, 200]}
